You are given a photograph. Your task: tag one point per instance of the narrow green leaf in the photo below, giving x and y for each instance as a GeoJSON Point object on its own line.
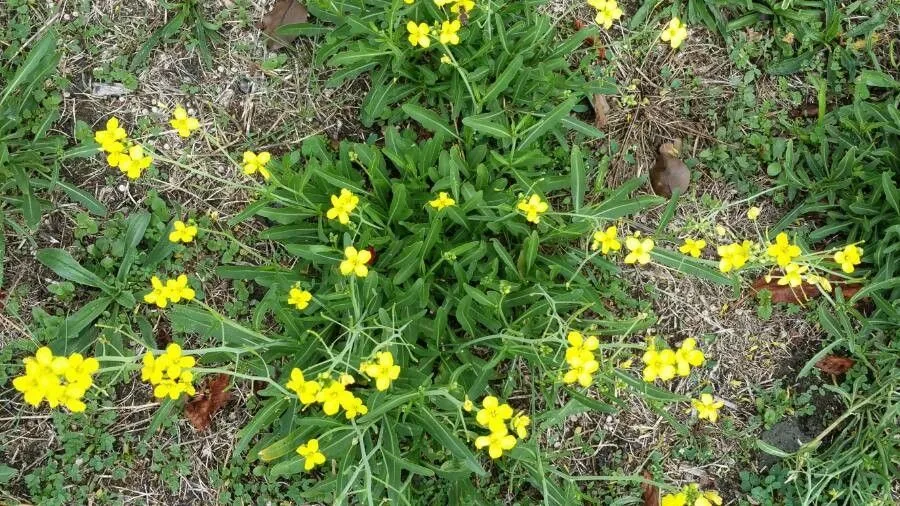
{"type": "Point", "coordinates": [551, 120]}
{"type": "Point", "coordinates": [449, 442]}
{"type": "Point", "coordinates": [428, 119]}
{"type": "Point", "coordinates": [66, 267]}
{"type": "Point", "coordinates": [577, 178]}
{"type": "Point", "coordinates": [31, 209]}
{"type": "Point", "coordinates": [503, 80]}
{"type": "Point", "coordinates": [691, 266]}
{"type": "Point", "coordinates": [84, 317]}
{"type": "Point", "coordinates": [481, 123]}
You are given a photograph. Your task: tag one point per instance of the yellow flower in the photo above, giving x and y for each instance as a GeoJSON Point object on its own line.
{"type": "Point", "coordinates": [639, 250]}
{"type": "Point", "coordinates": [449, 32]}
{"type": "Point", "coordinates": [331, 397]}
{"type": "Point", "coordinates": [687, 356]}
{"type": "Point", "coordinates": [679, 499]}
{"type": "Point", "coordinates": [115, 153]}
{"type": "Point", "coordinates": [342, 206]}
{"type": "Point", "coordinates": [658, 364]}
{"type": "Point", "coordinates": [692, 247]}
{"type": "Point", "coordinates": [159, 295]}
{"type": "Point", "coordinates": [849, 258]}
{"type": "Point", "coordinates": [306, 390]}
{"type": "Point", "coordinates": [312, 457]}
{"type": "Point", "coordinates": [821, 281]}
{"type": "Point", "coordinates": [463, 5]}
{"type": "Point", "coordinates": [71, 398]}
{"type": "Point", "coordinates": [134, 162]}
{"type": "Point", "coordinates": [793, 275]}
{"type": "Point", "coordinates": [182, 232]}
{"type": "Point", "coordinates": [493, 415]}
{"type": "Point", "coordinates": [441, 3]}
{"type": "Point", "coordinates": [183, 123]}
{"type": "Point", "coordinates": [111, 135]}
{"type": "Point", "coordinates": [299, 298]}
{"type": "Point", "coordinates": [79, 370]}
{"type": "Point", "coordinates": [254, 163]}
{"type": "Point", "coordinates": [174, 388]}
{"type": "Point", "coordinates": [581, 371]}
{"type": "Point", "coordinates": [753, 213]}
{"type": "Point", "coordinates": [346, 379]}
{"type": "Point", "coordinates": [496, 443]}
{"type": "Point", "coordinates": [169, 373]}
{"type": "Point", "coordinates": [675, 33]}
{"type": "Point", "coordinates": [707, 407]}
{"type": "Point", "coordinates": [353, 407]}
{"type": "Point", "coordinates": [59, 380]}
{"type": "Point", "coordinates": [734, 255]}
{"type": "Point", "coordinates": [709, 498]}
{"type": "Point", "coordinates": [446, 60]}
{"type": "Point", "coordinates": [443, 200]}
{"type": "Point", "coordinates": [608, 13]}
{"type": "Point", "coordinates": [782, 250]}
{"type": "Point", "coordinates": [409, 2]}
{"type": "Point", "coordinates": [418, 34]}
{"type": "Point", "coordinates": [533, 206]}
{"type": "Point", "coordinates": [355, 262]}
{"type": "Point", "coordinates": [520, 424]}
{"type": "Point", "coordinates": [178, 289]}
{"type": "Point", "coordinates": [468, 405]}
{"type": "Point", "coordinates": [383, 370]}
{"type": "Point", "coordinates": [607, 240]}
{"type": "Point", "coordinates": [580, 349]}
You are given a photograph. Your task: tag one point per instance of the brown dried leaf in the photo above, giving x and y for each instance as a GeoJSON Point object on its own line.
{"type": "Point", "coordinates": [799, 294]}
{"type": "Point", "coordinates": [650, 491]}
{"type": "Point", "coordinates": [601, 111]}
{"type": "Point", "coordinates": [285, 12]}
{"type": "Point", "coordinates": [669, 173]}
{"type": "Point", "coordinates": [200, 410]}
{"type": "Point", "coordinates": [834, 364]}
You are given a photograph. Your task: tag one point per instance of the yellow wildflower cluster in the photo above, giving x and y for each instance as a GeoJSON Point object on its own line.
{"type": "Point", "coordinates": [254, 163]}
{"type": "Point", "coordinates": [419, 34]}
{"type": "Point", "coordinates": [120, 152]}
{"type": "Point", "coordinates": [60, 380]}
{"type": "Point", "coordinates": [299, 298]}
{"type": "Point", "coordinates": [342, 206]}
{"type": "Point", "coordinates": [607, 12]}
{"type": "Point", "coordinates": [533, 207]}
{"type": "Point", "coordinates": [499, 419]}
{"type": "Point", "coordinates": [183, 123]}
{"type": "Point", "coordinates": [312, 457]}
{"type": "Point", "coordinates": [580, 358]}
{"type": "Point", "coordinates": [675, 33]}
{"type": "Point", "coordinates": [691, 495]}
{"type": "Point", "coordinates": [169, 373]}
{"type": "Point", "coordinates": [182, 232]}
{"type": "Point", "coordinates": [734, 256]}
{"type": "Point", "coordinates": [382, 370]}
{"type": "Point", "coordinates": [173, 290]}
{"type": "Point", "coordinates": [666, 364]}
{"type": "Point", "coordinates": [333, 397]}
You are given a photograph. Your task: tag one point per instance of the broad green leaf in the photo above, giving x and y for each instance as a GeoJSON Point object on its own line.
{"type": "Point", "coordinates": [318, 254]}
{"type": "Point", "coordinates": [134, 232]}
{"type": "Point", "coordinates": [529, 253]}
{"type": "Point", "coordinates": [66, 267]}
{"type": "Point", "coordinates": [551, 120]}
{"type": "Point", "coordinates": [428, 119]}
{"type": "Point", "coordinates": [449, 441]}
{"type": "Point", "coordinates": [261, 420]}
{"type": "Point", "coordinates": [482, 123]}
{"type": "Point", "coordinates": [691, 266]}
{"type": "Point", "coordinates": [81, 319]}
{"type": "Point", "coordinates": [31, 209]}
{"type": "Point", "coordinates": [503, 80]}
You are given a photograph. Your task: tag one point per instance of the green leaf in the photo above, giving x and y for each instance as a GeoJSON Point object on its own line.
{"type": "Point", "coordinates": [503, 80]}
{"type": "Point", "coordinates": [31, 209]}
{"type": "Point", "coordinates": [482, 123]}
{"type": "Point", "coordinates": [771, 450]}
{"type": "Point", "coordinates": [82, 197]}
{"type": "Point", "coordinates": [81, 319]}
{"type": "Point", "coordinates": [691, 266]}
{"type": "Point", "coordinates": [7, 474]}
{"type": "Point", "coordinates": [449, 442]}
{"type": "Point", "coordinates": [66, 267]}
{"type": "Point", "coordinates": [318, 254]}
{"type": "Point", "coordinates": [2, 248]}
{"type": "Point", "coordinates": [134, 232]}
{"type": "Point", "coordinates": [428, 119]}
{"type": "Point", "coordinates": [790, 65]}
{"type": "Point", "coordinates": [890, 191]}
{"type": "Point", "coordinates": [529, 253]}
{"type": "Point", "coordinates": [647, 389]}
{"type": "Point", "coordinates": [577, 178]}
{"type": "Point", "coordinates": [551, 120]}
{"type": "Point", "coordinates": [261, 420]}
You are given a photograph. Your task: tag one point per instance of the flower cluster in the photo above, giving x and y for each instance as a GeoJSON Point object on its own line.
{"type": "Point", "coordinates": [254, 163]}
{"type": "Point", "coordinates": [382, 370]}
{"type": "Point", "coordinates": [342, 206]}
{"type": "Point", "coordinates": [312, 457]}
{"type": "Point", "coordinates": [691, 495]}
{"type": "Point", "coordinates": [169, 373]}
{"type": "Point", "coordinates": [665, 364]}
{"type": "Point", "coordinates": [499, 419]}
{"type": "Point", "coordinates": [182, 232]}
{"type": "Point", "coordinates": [59, 380]}
{"type": "Point", "coordinates": [333, 396]}
{"type": "Point", "coordinates": [533, 207]}
{"type": "Point", "coordinates": [607, 12]}
{"type": "Point", "coordinates": [419, 34]}
{"type": "Point", "coordinates": [173, 290]}
{"type": "Point", "coordinates": [120, 152]}
{"type": "Point", "coordinates": [580, 358]}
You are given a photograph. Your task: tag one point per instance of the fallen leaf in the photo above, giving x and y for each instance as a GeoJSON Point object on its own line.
{"type": "Point", "coordinates": [601, 111]}
{"type": "Point", "coordinates": [200, 410]}
{"type": "Point", "coordinates": [805, 111]}
{"type": "Point", "coordinates": [650, 491]}
{"type": "Point", "coordinates": [284, 12]}
{"type": "Point", "coordinates": [669, 173]}
{"type": "Point", "coordinates": [797, 295]}
{"type": "Point", "coordinates": [834, 364]}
